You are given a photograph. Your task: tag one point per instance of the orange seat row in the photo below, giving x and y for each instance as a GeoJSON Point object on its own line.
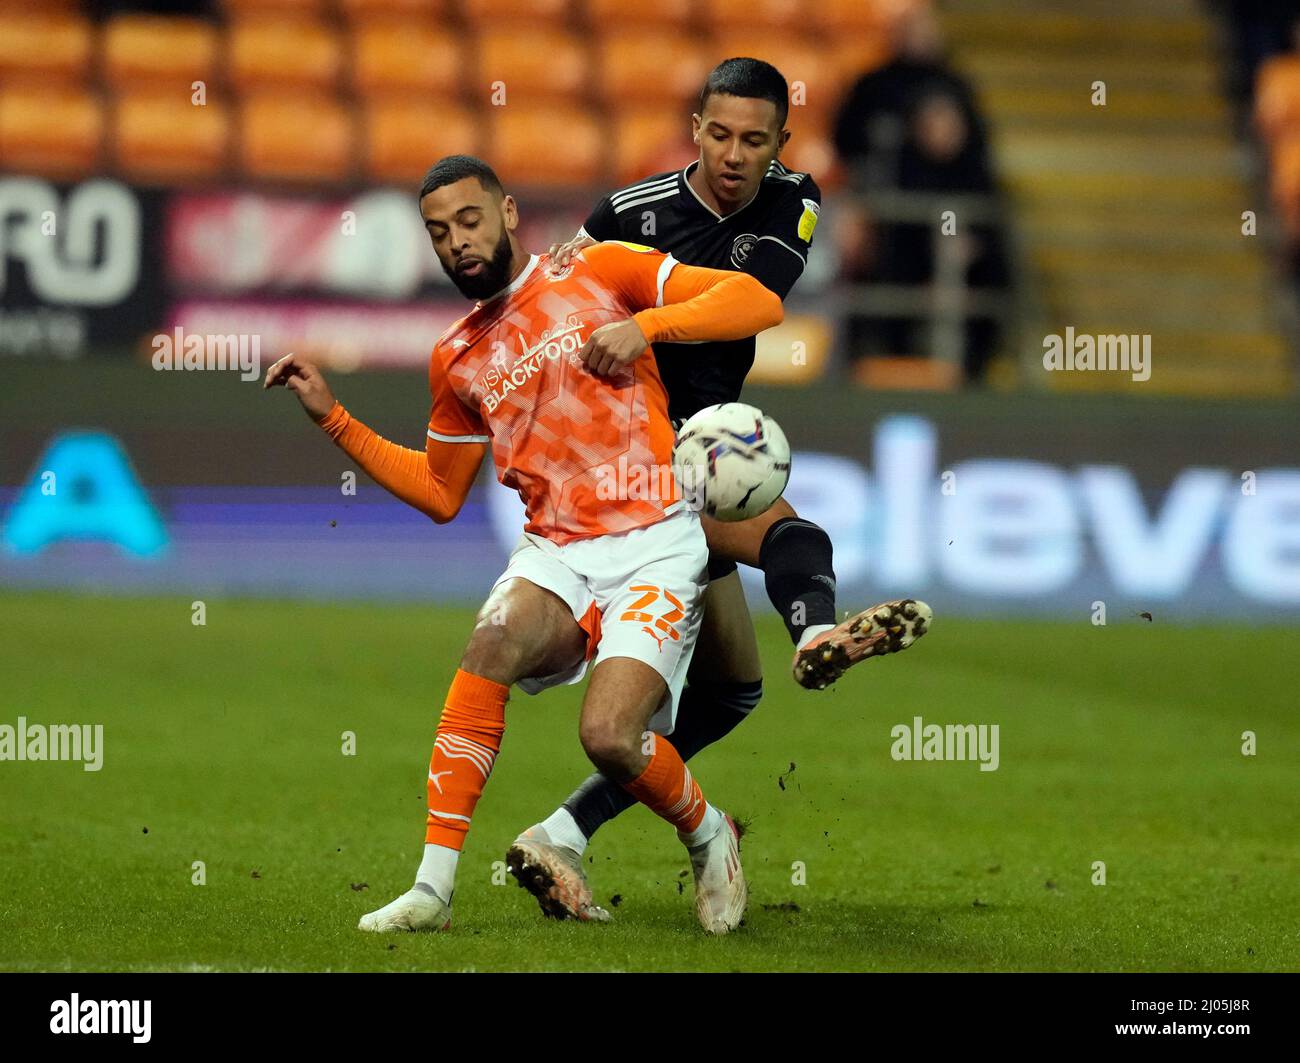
{"type": "Point", "coordinates": [623, 65]}
{"type": "Point", "coordinates": [831, 15]}
{"type": "Point", "coordinates": [164, 138]}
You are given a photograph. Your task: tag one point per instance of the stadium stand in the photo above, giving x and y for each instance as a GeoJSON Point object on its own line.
{"type": "Point", "coordinates": [1112, 202]}
{"type": "Point", "coordinates": [369, 68]}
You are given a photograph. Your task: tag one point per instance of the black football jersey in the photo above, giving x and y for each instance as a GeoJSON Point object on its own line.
{"type": "Point", "coordinates": [769, 238]}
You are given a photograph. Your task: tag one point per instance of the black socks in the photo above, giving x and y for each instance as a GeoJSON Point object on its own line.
{"type": "Point", "coordinates": [796, 562]}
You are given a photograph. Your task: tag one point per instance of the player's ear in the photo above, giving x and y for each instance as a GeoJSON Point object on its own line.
{"type": "Point", "coordinates": [695, 128]}
{"type": "Point", "coordinates": [510, 212]}
{"type": "Point", "coordinates": [782, 139]}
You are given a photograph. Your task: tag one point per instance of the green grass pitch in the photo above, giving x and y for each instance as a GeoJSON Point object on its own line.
{"type": "Point", "coordinates": [223, 744]}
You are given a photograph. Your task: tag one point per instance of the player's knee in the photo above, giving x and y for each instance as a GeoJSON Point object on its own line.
{"type": "Point", "coordinates": [613, 749]}
{"type": "Point", "coordinates": [492, 652]}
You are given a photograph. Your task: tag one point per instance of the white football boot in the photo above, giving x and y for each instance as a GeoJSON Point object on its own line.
{"type": "Point", "coordinates": [885, 628]}
{"type": "Point", "coordinates": [419, 908]}
{"type": "Point", "coordinates": [720, 893]}
{"type": "Point", "coordinates": [553, 874]}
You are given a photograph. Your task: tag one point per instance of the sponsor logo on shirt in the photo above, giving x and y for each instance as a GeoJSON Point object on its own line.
{"type": "Point", "coordinates": [497, 382]}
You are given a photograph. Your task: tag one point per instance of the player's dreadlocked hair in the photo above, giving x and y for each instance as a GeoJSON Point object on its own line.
{"type": "Point", "coordinates": [453, 168]}
{"type": "Point", "coordinates": [749, 77]}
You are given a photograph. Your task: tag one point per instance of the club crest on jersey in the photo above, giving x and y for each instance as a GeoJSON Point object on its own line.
{"type": "Point", "coordinates": [742, 248]}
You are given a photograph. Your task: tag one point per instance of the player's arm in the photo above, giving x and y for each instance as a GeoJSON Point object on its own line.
{"type": "Point", "coordinates": [781, 252]}
{"type": "Point", "coordinates": [436, 482]}
{"type": "Point", "coordinates": [699, 304]}
{"type": "Point", "coordinates": [673, 303]}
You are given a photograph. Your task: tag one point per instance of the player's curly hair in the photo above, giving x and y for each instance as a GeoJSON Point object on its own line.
{"type": "Point", "coordinates": [452, 168]}
{"type": "Point", "coordinates": [749, 77]}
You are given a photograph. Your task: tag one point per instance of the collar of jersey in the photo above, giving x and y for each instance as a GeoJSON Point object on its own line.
{"type": "Point", "coordinates": [691, 189]}
{"type": "Point", "coordinates": [514, 285]}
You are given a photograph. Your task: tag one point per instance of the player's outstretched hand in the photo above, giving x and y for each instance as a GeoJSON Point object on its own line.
{"type": "Point", "coordinates": [613, 346]}
{"type": "Point", "coordinates": [294, 372]}
{"type": "Point", "coordinates": [562, 254]}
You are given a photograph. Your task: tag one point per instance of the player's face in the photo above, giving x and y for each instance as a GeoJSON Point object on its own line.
{"type": "Point", "coordinates": [738, 137]}
{"type": "Point", "coordinates": [470, 227]}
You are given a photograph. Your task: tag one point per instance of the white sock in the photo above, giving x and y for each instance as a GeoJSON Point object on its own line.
{"type": "Point", "coordinates": [563, 829]}
{"type": "Point", "coordinates": [438, 870]}
{"type": "Point", "coordinates": [708, 827]}
{"type": "Point", "coordinates": [810, 633]}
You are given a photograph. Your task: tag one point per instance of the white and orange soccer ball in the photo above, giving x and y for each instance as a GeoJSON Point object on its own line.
{"type": "Point", "coordinates": [732, 461]}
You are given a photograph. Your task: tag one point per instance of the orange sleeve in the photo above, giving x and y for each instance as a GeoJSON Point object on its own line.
{"type": "Point", "coordinates": [435, 482]}
{"type": "Point", "coordinates": [673, 302]}
{"type": "Point", "coordinates": [710, 304]}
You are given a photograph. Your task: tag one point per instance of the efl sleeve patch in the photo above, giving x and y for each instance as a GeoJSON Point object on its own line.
{"type": "Point", "coordinates": [808, 220]}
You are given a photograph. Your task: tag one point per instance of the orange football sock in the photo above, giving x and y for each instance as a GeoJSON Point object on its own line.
{"type": "Point", "coordinates": [668, 789]}
{"type": "Point", "coordinates": [464, 749]}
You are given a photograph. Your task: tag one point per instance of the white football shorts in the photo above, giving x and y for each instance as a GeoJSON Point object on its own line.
{"type": "Point", "coordinates": [638, 594]}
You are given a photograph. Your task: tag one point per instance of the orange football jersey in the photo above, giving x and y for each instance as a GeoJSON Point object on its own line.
{"type": "Point", "coordinates": [589, 455]}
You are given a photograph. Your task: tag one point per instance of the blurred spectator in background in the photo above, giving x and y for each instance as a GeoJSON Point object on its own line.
{"type": "Point", "coordinates": [1258, 29]}
{"type": "Point", "coordinates": [1276, 119]}
{"type": "Point", "coordinates": [868, 129]}
{"type": "Point", "coordinates": [1276, 122]}
{"type": "Point", "coordinates": [912, 126]}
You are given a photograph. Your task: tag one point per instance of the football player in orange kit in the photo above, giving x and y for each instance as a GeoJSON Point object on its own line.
{"type": "Point", "coordinates": [547, 370]}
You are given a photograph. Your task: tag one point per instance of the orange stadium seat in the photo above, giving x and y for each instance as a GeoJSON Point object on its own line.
{"type": "Point", "coordinates": [609, 15]}
{"type": "Point", "coordinates": [546, 145]}
{"type": "Point", "coordinates": [1277, 96]}
{"type": "Point", "coordinates": [403, 138]}
{"type": "Point", "coordinates": [642, 65]}
{"type": "Point", "coordinates": [650, 140]}
{"type": "Point", "coordinates": [772, 361]}
{"type": "Point", "coordinates": [160, 135]}
{"type": "Point", "coordinates": [859, 54]}
{"type": "Point", "coordinates": [58, 132]}
{"type": "Point", "coordinates": [531, 65]}
{"type": "Point", "coordinates": [39, 6]}
{"type": "Point", "coordinates": [407, 12]}
{"type": "Point", "coordinates": [140, 48]}
{"type": "Point", "coordinates": [284, 53]}
{"type": "Point", "coordinates": [486, 13]}
{"type": "Point", "coordinates": [725, 15]}
{"type": "Point", "coordinates": [815, 82]}
{"type": "Point", "coordinates": [392, 57]}
{"type": "Point", "coordinates": [840, 16]}
{"type": "Point", "coordinates": [238, 9]}
{"type": "Point", "coordinates": [906, 373]}
{"type": "Point", "coordinates": [289, 136]}
{"type": "Point", "coordinates": [38, 45]}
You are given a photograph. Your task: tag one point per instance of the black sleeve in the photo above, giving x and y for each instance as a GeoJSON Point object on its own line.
{"type": "Point", "coordinates": [602, 223]}
{"type": "Point", "coordinates": [781, 252]}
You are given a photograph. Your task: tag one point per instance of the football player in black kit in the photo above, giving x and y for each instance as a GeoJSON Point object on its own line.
{"type": "Point", "coordinates": [736, 207]}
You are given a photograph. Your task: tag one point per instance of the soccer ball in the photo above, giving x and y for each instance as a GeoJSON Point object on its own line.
{"type": "Point", "coordinates": [732, 461]}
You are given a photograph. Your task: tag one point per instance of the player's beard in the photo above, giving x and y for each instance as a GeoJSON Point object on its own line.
{"type": "Point", "coordinates": [495, 274]}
